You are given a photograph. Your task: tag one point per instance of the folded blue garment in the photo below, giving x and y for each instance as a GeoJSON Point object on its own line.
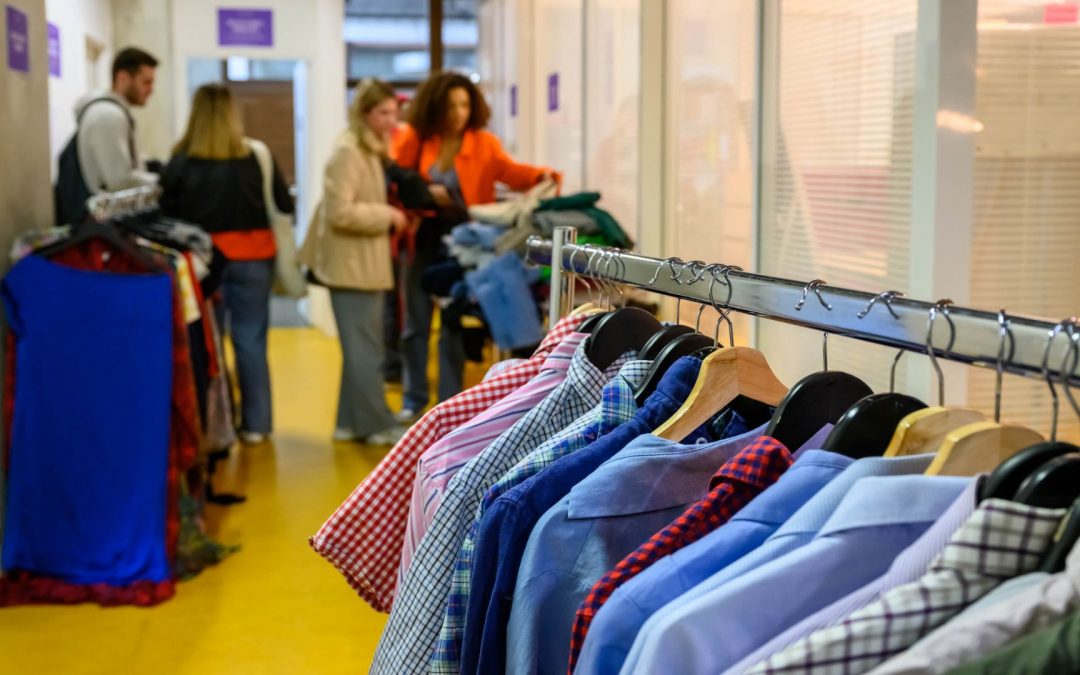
{"type": "Point", "coordinates": [476, 234]}
{"type": "Point", "coordinates": [502, 291]}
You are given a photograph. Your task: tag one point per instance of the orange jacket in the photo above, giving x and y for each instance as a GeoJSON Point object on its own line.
{"type": "Point", "coordinates": [480, 163]}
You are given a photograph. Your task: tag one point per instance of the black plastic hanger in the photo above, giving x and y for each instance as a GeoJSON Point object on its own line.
{"type": "Point", "coordinates": [1054, 485]}
{"type": "Point", "coordinates": [661, 339]}
{"type": "Point", "coordinates": [623, 330]}
{"type": "Point", "coordinates": [1004, 482]}
{"type": "Point", "coordinates": [1064, 541]}
{"type": "Point", "coordinates": [867, 427]}
{"type": "Point", "coordinates": [684, 345]}
{"type": "Point", "coordinates": [816, 400]}
{"type": "Point", "coordinates": [589, 324]}
{"type": "Point", "coordinates": [107, 232]}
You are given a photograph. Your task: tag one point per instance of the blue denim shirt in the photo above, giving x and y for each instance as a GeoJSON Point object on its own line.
{"type": "Point", "coordinates": [618, 621]}
{"type": "Point", "coordinates": [505, 528]}
{"type": "Point", "coordinates": [629, 498]}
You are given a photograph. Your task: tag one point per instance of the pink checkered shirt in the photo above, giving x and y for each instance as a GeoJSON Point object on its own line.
{"type": "Point", "coordinates": [363, 537]}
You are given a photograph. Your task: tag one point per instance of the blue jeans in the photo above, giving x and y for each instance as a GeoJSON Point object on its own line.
{"type": "Point", "coordinates": [245, 316]}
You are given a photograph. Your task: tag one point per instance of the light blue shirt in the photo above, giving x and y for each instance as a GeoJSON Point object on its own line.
{"type": "Point", "coordinates": [617, 623]}
{"type": "Point", "coordinates": [877, 519]}
{"type": "Point", "coordinates": [605, 517]}
{"type": "Point", "coordinates": [795, 532]}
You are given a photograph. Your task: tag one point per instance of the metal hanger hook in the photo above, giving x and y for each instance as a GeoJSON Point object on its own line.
{"type": "Point", "coordinates": [1004, 357]}
{"type": "Point", "coordinates": [669, 263]}
{"type": "Point", "coordinates": [940, 307]}
{"type": "Point", "coordinates": [584, 276]}
{"type": "Point", "coordinates": [701, 269]}
{"type": "Point", "coordinates": [886, 299]}
{"type": "Point", "coordinates": [892, 371]}
{"type": "Point", "coordinates": [814, 286]}
{"type": "Point", "coordinates": [1066, 370]}
{"type": "Point", "coordinates": [725, 312]}
{"type": "Point", "coordinates": [1055, 403]}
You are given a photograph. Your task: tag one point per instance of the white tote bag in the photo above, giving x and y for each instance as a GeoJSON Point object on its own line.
{"type": "Point", "coordinates": [288, 279]}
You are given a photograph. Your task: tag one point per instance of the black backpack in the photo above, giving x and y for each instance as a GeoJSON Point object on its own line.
{"type": "Point", "coordinates": [71, 191]}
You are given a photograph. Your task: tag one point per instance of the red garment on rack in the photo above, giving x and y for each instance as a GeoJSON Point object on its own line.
{"type": "Point", "coordinates": [24, 588]}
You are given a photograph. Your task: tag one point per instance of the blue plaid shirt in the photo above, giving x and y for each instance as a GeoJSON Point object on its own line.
{"type": "Point", "coordinates": [617, 405]}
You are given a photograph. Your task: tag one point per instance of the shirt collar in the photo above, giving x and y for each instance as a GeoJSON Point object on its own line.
{"type": "Point", "coordinates": [565, 326]}
{"type": "Point", "coordinates": [677, 382]}
{"type": "Point", "coordinates": [811, 471]}
{"type": "Point", "coordinates": [758, 465]}
{"type": "Point", "coordinates": [588, 380]}
{"type": "Point", "coordinates": [617, 402]}
{"type": "Point", "coordinates": [651, 474]}
{"type": "Point", "coordinates": [881, 501]}
{"type": "Point", "coordinates": [1001, 539]}
{"type": "Point", "coordinates": [562, 357]}
{"type": "Point", "coordinates": [468, 143]}
{"type": "Point", "coordinates": [812, 516]}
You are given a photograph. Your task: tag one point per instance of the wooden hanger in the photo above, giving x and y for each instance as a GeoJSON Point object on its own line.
{"type": "Point", "coordinates": [925, 430]}
{"type": "Point", "coordinates": [725, 374]}
{"type": "Point", "coordinates": [979, 447]}
{"type": "Point", "coordinates": [587, 308]}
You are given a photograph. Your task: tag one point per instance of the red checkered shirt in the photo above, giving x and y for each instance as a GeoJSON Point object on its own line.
{"type": "Point", "coordinates": [363, 537]}
{"type": "Point", "coordinates": [742, 478]}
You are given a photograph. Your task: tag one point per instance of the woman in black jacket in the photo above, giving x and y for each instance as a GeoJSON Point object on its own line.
{"type": "Point", "coordinates": [214, 180]}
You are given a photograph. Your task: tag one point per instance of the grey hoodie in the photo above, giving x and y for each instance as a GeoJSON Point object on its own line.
{"type": "Point", "coordinates": [108, 153]}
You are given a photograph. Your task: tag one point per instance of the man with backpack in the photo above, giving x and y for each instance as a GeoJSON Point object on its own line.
{"type": "Point", "coordinates": [103, 154]}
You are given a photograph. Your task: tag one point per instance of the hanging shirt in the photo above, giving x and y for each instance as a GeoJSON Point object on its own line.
{"type": "Point", "coordinates": [797, 531]}
{"type": "Point", "coordinates": [505, 529]}
{"type": "Point", "coordinates": [441, 462]}
{"type": "Point", "coordinates": [877, 519]}
{"type": "Point", "coordinates": [409, 639]}
{"type": "Point", "coordinates": [617, 623]}
{"type": "Point", "coordinates": [363, 537]}
{"type": "Point", "coordinates": [999, 541]}
{"type": "Point", "coordinates": [737, 482]}
{"type": "Point", "coordinates": [602, 520]}
{"type": "Point", "coordinates": [616, 406]}
{"type": "Point", "coordinates": [1036, 601]}
{"type": "Point", "coordinates": [87, 479]}
{"type": "Point", "coordinates": [907, 567]}
{"type": "Point", "coordinates": [1052, 650]}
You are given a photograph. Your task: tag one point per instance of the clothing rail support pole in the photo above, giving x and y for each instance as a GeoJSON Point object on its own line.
{"type": "Point", "coordinates": [562, 282]}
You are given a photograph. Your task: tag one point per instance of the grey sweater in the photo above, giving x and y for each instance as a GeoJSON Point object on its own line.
{"type": "Point", "coordinates": [106, 146]}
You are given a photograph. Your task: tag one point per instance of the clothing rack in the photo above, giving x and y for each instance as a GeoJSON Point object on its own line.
{"type": "Point", "coordinates": [1011, 343]}
{"type": "Point", "coordinates": [107, 205]}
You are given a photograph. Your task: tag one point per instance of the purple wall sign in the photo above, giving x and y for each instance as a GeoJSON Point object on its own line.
{"type": "Point", "coordinates": [54, 50]}
{"type": "Point", "coordinates": [18, 40]}
{"type": "Point", "coordinates": [553, 92]}
{"type": "Point", "coordinates": [513, 100]}
{"type": "Point", "coordinates": [245, 28]}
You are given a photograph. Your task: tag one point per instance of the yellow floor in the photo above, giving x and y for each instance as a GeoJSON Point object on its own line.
{"type": "Point", "coordinates": [274, 607]}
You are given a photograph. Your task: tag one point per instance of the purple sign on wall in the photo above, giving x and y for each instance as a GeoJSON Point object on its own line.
{"type": "Point", "coordinates": [553, 92]}
{"type": "Point", "coordinates": [513, 100]}
{"type": "Point", "coordinates": [54, 50]}
{"type": "Point", "coordinates": [18, 40]}
{"type": "Point", "coordinates": [245, 28]}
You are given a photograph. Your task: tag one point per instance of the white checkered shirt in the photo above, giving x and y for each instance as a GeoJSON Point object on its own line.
{"type": "Point", "coordinates": [999, 541]}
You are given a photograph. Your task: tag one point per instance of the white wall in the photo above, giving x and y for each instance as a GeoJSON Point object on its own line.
{"type": "Point", "coordinates": [78, 21]}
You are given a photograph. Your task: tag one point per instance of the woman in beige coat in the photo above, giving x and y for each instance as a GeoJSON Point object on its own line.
{"type": "Point", "coordinates": [348, 250]}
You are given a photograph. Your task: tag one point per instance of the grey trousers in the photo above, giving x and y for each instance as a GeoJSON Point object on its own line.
{"type": "Point", "coordinates": [419, 309]}
{"type": "Point", "coordinates": [362, 405]}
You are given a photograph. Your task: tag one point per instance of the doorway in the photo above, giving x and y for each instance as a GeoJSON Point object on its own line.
{"type": "Point", "coordinates": [272, 97]}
